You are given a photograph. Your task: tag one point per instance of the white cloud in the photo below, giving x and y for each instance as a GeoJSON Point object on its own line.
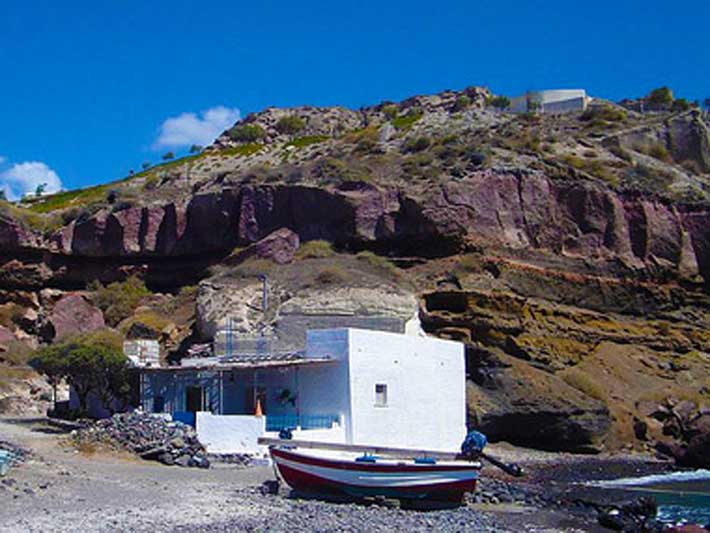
{"type": "Point", "coordinates": [189, 128]}
{"type": "Point", "coordinates": [25, 177]}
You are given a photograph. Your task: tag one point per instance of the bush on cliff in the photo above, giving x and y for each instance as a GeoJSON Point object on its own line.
{"type": "Point", "coordinates": [119, 299]}
{"type": "Point", "coordinates": [662, 97]}
{"type": "Point", "coordinates": [290, 125]}
{"type": "Point", "coordinates": [247, 133]}
{"type": "Point", "coordinates": [92, 364]}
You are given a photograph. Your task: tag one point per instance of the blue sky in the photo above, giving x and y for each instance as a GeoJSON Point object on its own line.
{"type": "Point", "coordinates": [87, 87]}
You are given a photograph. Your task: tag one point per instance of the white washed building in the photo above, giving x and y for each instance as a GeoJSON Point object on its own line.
{"type": "Point", "coordinates": [350, 385]}
{"type": "Point", "coordinates": [551, 101]}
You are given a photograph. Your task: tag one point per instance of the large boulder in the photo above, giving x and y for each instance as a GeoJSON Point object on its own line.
{"type": "Point", "coordinates": [278, 246]}
{"type": "Point", "coordinates": [71, 315]}
{"type": "Point", "coordinates": [697, 453]}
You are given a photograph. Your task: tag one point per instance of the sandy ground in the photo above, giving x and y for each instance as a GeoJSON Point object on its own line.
{"type": "Point", "coordinates": [59, 489]}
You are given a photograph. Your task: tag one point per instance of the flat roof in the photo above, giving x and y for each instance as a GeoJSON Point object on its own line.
{"type": "Point", "coordinates": [239, 364]}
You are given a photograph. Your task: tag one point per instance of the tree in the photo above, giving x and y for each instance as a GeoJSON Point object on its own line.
{"type": "Point", "coordinates": [92, 364]}
{"type": "Point", "coordinates": [3, 195]}
{"type": "Point", "coordinates": [195, 149]}
{"type": "Point", "coordinates": [500, 102]}
{"type": "Point", "coordinates": [290, 125]}
{"type": "Point", "coordinates": [168, 155]}
{"type": "Point", "coordinates": [146, 165]}
{"type": "Point", "coordinates": [660, 98]}
{"type": "Point", "coordinates": [49, 361]}
{"type": "Point", "coordinates": [706, 103]}
{"type": "Point", "coordinates": [40, 189]}
{"type": "Point", "coordinates": [681, 104]}
{"type": "Point", "coordinates": [247, 133]}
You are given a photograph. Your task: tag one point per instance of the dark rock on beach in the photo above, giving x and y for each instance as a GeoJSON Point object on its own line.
{"type": "Point", "coordinates": [151, 437]}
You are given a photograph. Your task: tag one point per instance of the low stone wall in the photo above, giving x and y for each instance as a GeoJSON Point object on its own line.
{"type": "Point", "coordinates": [228, 434]}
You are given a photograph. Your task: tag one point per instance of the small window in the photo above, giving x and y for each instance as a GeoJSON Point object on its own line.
{"type": "Point", "coordinates": [380, 395]}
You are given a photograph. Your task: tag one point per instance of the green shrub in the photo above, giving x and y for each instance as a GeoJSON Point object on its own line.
{"type": "Point", "coordinates": [599, 115]}
{"type": "Point", "coordinates": [658, 151]}
{"type": "Point", "coordinates": [243, 150]}
{"type": "Point", "coordinates": [302, 142]}
{"type": "Point", "coordinates": [315, 250]}
{"type": "Point", "coordinates": [417, 144]}
{"type": "Point", "coordinates": [247, 133]}
{"type": "Point", "coordinates": [405, 122]}
{"type": "Point", "coordinates": [330, 170]}
{"type": "Point", "coordinates": [367, 140]}
{"type": "Point", "coordinates": [595, 167]}
{"type": "Point", "coordinates": [681, 104]}
{"type": "Point", "coordinates": [168, 155]}
{"type": "Point", "coordinates": [649, 178]}
{"type": "Point", "coordinates": [619, 152]}
{"type": "Point", "coordinates": [119, 299]}
{"type": "Point", "coordinates": [499, 102]}
{"type": "Point", "coordinates": [661, 97]}
{"type": "Point", "coordinates": [290, 125]}
{"type": "Point", "coordinates": [461, 103]}
{"type": "Point", "coordinates": [390, 111]}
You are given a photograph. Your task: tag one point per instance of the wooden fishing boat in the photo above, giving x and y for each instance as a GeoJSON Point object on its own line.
{"type": "Point", "coordinates": [361, 471]}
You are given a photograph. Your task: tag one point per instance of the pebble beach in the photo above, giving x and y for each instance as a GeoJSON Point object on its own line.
{"type": "Point", "coordinates": [57, 488]}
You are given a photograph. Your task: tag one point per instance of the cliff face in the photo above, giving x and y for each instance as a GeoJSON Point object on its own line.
{"type": "Point", "coordinates": [487, 209]}
{"type": "Point", "coordinates": [574, 265]}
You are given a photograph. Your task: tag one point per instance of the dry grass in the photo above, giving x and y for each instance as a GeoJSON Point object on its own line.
{"type": "Point", "coordinates": [583, 382]}
{"type": "Point", "coordinates": [378, 262]}
{"type": "Point", "coordinates": [87, 448]}
{"type": "Point", "coordinates": [332, 275]}
{"type": "Point", "coordinates": [315, 250]}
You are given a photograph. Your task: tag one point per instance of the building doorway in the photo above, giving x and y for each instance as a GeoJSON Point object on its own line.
{"type": "Point", "coordinates": [194, 399]}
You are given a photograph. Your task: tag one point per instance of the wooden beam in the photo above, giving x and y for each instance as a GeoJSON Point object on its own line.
{"type": "Point", "coordinates": [403, 453]}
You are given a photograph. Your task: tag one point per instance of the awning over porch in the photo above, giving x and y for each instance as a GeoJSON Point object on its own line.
{"type": "Point", "coordinates": [241, 363]}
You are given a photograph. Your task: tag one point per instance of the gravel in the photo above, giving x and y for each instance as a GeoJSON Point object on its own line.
{"type": "Point", "coordinates": [258, 512]}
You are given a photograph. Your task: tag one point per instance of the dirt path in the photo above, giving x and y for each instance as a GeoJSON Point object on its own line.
{"type": "Point", "coordinates": [59, 489]}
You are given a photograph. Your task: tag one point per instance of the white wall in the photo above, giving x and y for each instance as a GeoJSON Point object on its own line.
{"type": "Point", "coordinates": [334, 434]}
{"type": "Point", "coordinates": [553, 101]}
{"type": "Point", "coordinates": [324, 388]}
{"type": "Point", "coordinates": [230, 433]}
{"type": "Point", "coordinates": [426, 398]}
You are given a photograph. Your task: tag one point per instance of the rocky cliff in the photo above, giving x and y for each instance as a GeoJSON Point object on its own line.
{"type": "Point", "coordinates": [570, 253]}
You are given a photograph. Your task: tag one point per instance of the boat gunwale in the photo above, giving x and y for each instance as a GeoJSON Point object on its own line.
{"type": "Point", "coordinates": [343, 464]}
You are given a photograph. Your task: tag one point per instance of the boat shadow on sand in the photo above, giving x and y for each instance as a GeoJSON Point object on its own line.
{"type": "Point", "coordinates": [276, 488]}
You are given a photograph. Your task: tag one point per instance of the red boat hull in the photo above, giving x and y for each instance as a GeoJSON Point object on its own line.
{"type": "Point", "coordinates": [394, 480]}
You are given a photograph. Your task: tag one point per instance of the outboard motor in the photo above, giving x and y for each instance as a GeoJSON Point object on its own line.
{"type": "Point", "coordinates": [472, 448]}
{"type": "Point", "coordinates": [473, 444]}
{"type": "Point", "coordinates": [285, 434]}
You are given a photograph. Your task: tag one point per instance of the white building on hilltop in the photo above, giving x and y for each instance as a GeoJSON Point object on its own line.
{"type": "Point", "coordinates": [350, 386]}
{"type": "Point", "coordinates": [551, 101]}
